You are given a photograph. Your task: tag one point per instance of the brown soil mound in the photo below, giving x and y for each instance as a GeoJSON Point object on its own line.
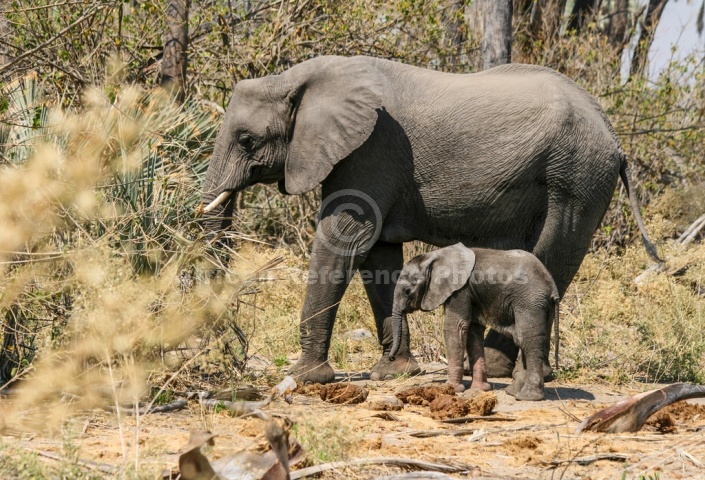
{"type": "Point", "coordinates": [343, 393]}
{"type": "Point", "coordinates": [681, 412]}
{"type": "Point", "coordinates": [527, 442]}
{"type": "Point", "coordinates": [663, 422]}
{"type": "Point", "coordinates": [444, 407]}
{"type": "Point", "coordinates": [426, 394]}
{"type": "Point", "coordinates": [311, 389]}
{"type": "Point", "coordinates": [684, 411]}
{"type": "Point", "coordinates": [483, 403]}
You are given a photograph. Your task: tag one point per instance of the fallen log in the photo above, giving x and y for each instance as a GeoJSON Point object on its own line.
{"type": "Point", "coordinates": [406, 463]}
{"type": "Point", "coordinates": [630, 415]}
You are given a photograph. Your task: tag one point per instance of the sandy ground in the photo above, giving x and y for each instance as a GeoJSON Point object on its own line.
{"type": "Point", "coordinates": [538, 441]}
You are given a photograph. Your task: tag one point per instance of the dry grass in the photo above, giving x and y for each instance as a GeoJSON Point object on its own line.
{"type": "Point", "coordinates": [619, 331]}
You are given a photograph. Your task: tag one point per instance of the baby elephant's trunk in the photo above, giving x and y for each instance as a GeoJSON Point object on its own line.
{"type": "Point", "coordinates": [397, 324]}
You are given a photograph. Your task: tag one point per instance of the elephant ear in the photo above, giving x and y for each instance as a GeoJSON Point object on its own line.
{"type": "Point", "coordinates": [449, 270]}
{"type": "Point", "coordinates": [334, 102]}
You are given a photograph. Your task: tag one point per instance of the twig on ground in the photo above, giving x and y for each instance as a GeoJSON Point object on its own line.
{"type": "Point", "coordinates": [238, 408]}
{"type": "Point", "coordinates": [89, 464]}
{"type": "Point", "coordinates": [690, 457]}
{"type": "Point", "coordinates": [177, 404]}
{"type": "Point", "coordinates": [436, 433]}
{"type": "Point", "coordinates": [639, 438]}
{"type": "Point", "coordinates": [386, 416]}
{"type": "Point", "coordinates": [407, 463]}
{"type": "Point", "coordinates": [692, 231]}
{"type": "Point", "coordinates": [473, 418]}
{"type": "Point", "coordinates": [617, 457]}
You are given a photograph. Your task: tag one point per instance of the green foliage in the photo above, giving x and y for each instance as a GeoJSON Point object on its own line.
{"type": "Point", "coordinates": [158, 192]}
{"type": "Point", "coordinates": [24, 119]}
{"type": "Point", "coordinates": [281, 361]}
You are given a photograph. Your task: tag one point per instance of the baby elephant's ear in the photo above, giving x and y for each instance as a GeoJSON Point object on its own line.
{"type": "Point", "coordinates": [447, 270]}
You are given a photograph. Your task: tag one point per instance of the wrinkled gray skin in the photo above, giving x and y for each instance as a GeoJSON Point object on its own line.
{"type": "Point", "coordinates": [515, 157]}
{"type": "Point", "coordinates": [510, 291]}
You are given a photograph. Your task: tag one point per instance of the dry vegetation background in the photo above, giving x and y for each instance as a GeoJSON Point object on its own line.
{"type": "Point", "coordinates": [110, 294]}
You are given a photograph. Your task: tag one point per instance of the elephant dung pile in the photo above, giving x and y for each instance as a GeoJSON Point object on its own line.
{"type": "Point", "coordinates": [447, 406]}
{"type": "Point", "coordinates": [338, 393]}
{"type": "Point", "coordinates": [444, 404]}
{"type": "Point", "coordinates": [424, 395]}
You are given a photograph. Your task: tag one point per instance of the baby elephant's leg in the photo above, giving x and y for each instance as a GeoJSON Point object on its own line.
{"type": "Point", "coordinates": [476, 353]}
{"type": "Point", "coordinates": [531, 332]}
{"type": "Point", "coordinates": [455, 332]}
{"type": "Point", "coordinates": [518, 375]}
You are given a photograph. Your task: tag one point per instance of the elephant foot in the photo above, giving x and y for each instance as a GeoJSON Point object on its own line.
{"type": "Point", "coordinates": [483, 386]}
{"type": "Point", "coordinates": [312, 371]}
{"type": "Point", "coordinates": [402, 365]}
{"type": "Point", "coordinates": [458, 387]}
{"type": "Point", "coordinates": [513, 389]}
{"type": "Point", "coordinates": [530, 393]}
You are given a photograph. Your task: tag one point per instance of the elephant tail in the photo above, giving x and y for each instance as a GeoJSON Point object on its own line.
{"type": "Point", "coordinates": [556, 313]}
{"type": "Point", "coordinates": [624, 173]}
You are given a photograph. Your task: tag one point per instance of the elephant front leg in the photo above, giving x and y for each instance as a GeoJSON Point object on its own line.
{"type": "Point", "coordinates": [455, 333]}
{"type": "Point", "coordinates": [379, 272]}
{"type": "Point", "coordinates": [476, 353]}
{"type": "Point", "coordinates": [329, 276]}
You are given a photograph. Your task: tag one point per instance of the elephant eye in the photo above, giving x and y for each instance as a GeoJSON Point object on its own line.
{"type": "Point", "coordinates": [407, 290]}
{"type": "Point", "coordinates": [246, 140]}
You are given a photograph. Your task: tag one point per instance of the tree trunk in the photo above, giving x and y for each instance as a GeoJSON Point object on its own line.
{"type": "Point", "coordinates": [550, 16]}
{"type": "Point", "coordinates": [5, 37]}
{"type": "Point", "coordinates": [618, 25]}
{"type": "Point", "coordinates": [497, 33]}
{"type": "Point", "coordinates": [537, 19]}
{"type": "Point", "coordinates": [646, 37]}
{"type": "Point", "coordinates": [582, 9]}
{"type": "Point", "coordinates": [9, 358]}
{"type": "Point", "coordinates": [456, 33]}
{"type": "Point", "coordinates": [174, 60]}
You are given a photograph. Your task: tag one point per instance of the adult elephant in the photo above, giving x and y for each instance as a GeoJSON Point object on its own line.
{"type": "Point", "coordinates": [517, 156]}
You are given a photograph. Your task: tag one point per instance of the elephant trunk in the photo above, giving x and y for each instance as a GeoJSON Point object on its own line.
{"type": "Point", "coordinates": [218, 196]}
{"type": "Point", "coordinates": [397, 325]}
{"type": "Point", "coordinates": [226, 174]}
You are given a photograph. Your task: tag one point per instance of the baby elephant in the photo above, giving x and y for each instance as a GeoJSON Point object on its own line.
{"type": "Point", "coordinates": [510, 291]}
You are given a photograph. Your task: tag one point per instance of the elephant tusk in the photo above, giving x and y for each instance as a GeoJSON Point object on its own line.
{"type": "Point", "coordinates": [218, 200]}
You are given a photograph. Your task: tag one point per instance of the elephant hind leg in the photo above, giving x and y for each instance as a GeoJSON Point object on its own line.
{"type": "Point", "coordinates": [562, 243]}
{"type": "Point", "coordinates": [531, 336]}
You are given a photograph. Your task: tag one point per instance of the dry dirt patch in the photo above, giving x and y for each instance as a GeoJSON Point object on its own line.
{"type": "Point", "coordinates": [539, 443]}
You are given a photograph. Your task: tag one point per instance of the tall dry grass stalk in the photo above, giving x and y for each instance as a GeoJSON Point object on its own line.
{"type": "Point", "coordinates": [97, 222]}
